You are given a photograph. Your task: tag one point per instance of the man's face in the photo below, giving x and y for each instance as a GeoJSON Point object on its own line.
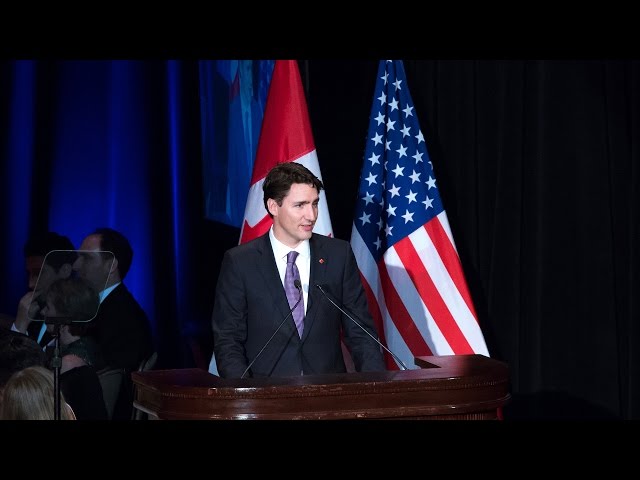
{"type": "Point", "coordinates": [94, 268]}
{"type": "Point", "coordinates": [293, 221]}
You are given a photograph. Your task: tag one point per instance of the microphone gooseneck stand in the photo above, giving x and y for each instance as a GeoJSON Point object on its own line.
{"type": "Point", "coordinates": [396, 358]}
{"type": "Point", "coordinates": [298, 285]}
{"type": "Point", "coordinates": [56, 360]}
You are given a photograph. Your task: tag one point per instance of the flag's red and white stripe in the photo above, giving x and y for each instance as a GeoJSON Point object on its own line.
{"type": "Point", "coordinates": [418, 295]}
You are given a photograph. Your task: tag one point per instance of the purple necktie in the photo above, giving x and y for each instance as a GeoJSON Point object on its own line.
{"type": "Point", "coordinates": [293, 294]}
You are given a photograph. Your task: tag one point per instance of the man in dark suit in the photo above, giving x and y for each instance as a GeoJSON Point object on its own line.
{"type": "Point", "coordinates": [121, 327]}
{"type": "Point", "coordinates": [251, 301]}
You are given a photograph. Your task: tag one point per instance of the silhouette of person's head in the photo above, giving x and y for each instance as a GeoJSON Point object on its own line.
{"type": "Point", "coordinates": [114, 266]}
{"type": "Point", "coordinates": [17, 351]}
{"type": "Point", "coordinates": [42, 272]}
{"type": "Point", "coordinates": [73, 298]}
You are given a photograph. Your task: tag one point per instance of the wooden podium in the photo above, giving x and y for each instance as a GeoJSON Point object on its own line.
{"type": "Point", "coordinates": [458, 387]}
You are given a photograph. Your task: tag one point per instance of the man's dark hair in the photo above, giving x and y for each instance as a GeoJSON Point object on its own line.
{"type": "Point", "coordinates": [113, 241]}
{"type": "Point", "coordinates": [38, 245]}
{"type": "Point", "coordinates": [280, 178]}
{"type": "Point", "coordinates": [17, 351]}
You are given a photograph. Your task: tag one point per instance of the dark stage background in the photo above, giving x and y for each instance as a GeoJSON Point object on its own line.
{"type": "Point", "coordinates": [537, 164]}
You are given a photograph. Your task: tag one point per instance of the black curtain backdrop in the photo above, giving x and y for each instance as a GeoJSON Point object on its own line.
{"type": "Point", "coordinates": [537, 165]}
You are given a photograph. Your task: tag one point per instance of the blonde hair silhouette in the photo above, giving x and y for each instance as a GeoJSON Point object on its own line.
{"type": "Point", "coordinates": [29, 395]}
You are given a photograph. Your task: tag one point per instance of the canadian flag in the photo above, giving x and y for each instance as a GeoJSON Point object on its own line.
{"type": "Point", "coordinates": [285, 137]}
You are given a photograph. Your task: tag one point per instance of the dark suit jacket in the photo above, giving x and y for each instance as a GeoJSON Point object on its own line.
{"type": "Point", "coordinates": [33, 331]}
{"type": "Point", "coordinates": [121, 329]}
{"type": "Point", "coordinates": [250, 304]}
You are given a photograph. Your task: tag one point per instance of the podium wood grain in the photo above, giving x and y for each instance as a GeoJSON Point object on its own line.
{"type": "Point", "coordinates": [445, 387]}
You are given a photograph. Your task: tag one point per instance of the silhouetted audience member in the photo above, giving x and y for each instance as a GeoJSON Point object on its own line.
{"type": "Point", "coordinates": [121, 328]}
{"type": "Point", "coordinates": [17, 351]}
{"type": "Point", "coordinates": [75, 301]}
{"type": "Point", "coordinates": [42, 270]}
{"type": "Point", "coordinates": [29, 395]}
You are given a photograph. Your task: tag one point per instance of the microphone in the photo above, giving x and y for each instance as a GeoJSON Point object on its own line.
{"type": "Point", "coordinates": [298, 285]}
{"type": "Point", "coordinates": [404, 367]}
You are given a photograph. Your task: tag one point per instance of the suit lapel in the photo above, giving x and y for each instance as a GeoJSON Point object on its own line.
{"type": "Point", "coordinates": [317, 275]}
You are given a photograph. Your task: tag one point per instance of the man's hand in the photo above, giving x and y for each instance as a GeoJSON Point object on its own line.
{"type": "Point", "coordinates": [22, 318]}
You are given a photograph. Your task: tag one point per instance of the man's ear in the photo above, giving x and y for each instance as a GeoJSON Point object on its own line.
{"type": "Point", "coordinates": [272, 205]}
{"type": "Point", "coordinates": [114, 266]}
{"type": "Point", "coordinates": [65, 270]}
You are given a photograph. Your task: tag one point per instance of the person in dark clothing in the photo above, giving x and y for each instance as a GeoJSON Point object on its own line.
{"type": "Point", "coordinates": [121, 328]}
{"type": "Point", "coordinates": [42, 270]}
{"type": "Point", "coordinates": [77, 302]}
{"type": "Point", "coordinates": [256, 292]}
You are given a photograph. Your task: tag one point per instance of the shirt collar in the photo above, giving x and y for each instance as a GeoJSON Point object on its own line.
{"type": "Point", "coordinates": [104, 293]}
{"type": "Point", "coordinates": [280, 250]}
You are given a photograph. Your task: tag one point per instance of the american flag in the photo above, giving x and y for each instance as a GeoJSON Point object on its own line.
{"type": "Point", "coordinates": [401, 237]}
